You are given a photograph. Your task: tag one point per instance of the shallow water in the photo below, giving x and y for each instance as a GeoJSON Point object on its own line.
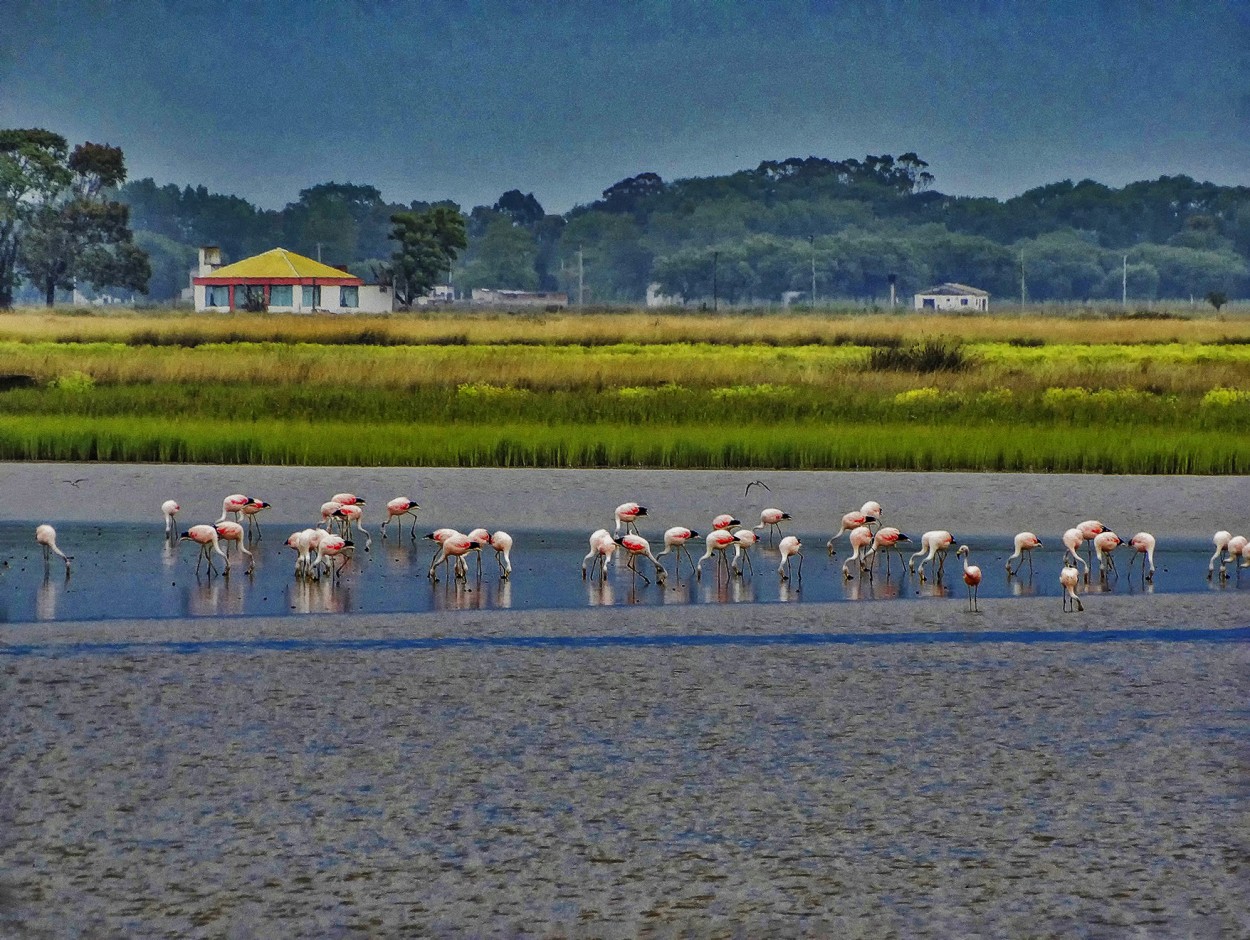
{"type": "Point", "coordinates": [123, 571]}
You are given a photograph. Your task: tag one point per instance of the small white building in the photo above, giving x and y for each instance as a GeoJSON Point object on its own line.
{"type": "Point", "coordinates": [284, 282]}
{"type": "Point", "coordinates": [951, 296]}
{"type": "Point", "coordinates": [492, 297]}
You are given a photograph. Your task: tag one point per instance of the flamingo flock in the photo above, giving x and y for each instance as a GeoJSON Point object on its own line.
{"type": "Point", "coordinates": [327, 547]}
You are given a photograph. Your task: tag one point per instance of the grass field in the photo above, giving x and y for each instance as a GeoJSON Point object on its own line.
{"type": "Point", "coordinates": [1079, 392]}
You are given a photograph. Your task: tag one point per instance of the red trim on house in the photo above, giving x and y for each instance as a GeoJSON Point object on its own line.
{"type": "Point", "coordinates": [254, 281]}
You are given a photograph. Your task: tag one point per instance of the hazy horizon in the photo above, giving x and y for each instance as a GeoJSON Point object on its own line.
{"type": "Point", "coordinates": [464, 102]}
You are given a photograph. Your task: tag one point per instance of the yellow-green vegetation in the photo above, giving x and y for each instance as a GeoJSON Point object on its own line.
{"type": "Point", "coordinates": [1011, 392]}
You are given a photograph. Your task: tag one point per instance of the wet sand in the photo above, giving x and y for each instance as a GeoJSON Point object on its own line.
{"type": "Point", "coordinates": [1019, 772]}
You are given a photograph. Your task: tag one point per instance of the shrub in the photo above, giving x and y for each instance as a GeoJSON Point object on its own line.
{"type": "Point", "coordinates": [929, 356]}
{"type": "Point", "coordinates": [73, 382]}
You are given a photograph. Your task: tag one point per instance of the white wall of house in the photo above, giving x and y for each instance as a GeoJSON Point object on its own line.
{"type": "Point", "coordinates": [372, 298]}
{"type": "Point", "coordinates": [951, 302]}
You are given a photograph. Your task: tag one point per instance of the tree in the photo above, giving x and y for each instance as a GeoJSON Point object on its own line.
{"type": "Point", "coordinates": [428, 244]}
{"type": "Point", "coordinates": [1217, 299]}
{"type": "Point", "coordinates": [77, 233]}
{"type": "Point", "coordinates": [503, 258]}
{"type": "Point", "coordinates": [523, 209]}
{"type": "Point", "coordinates": [32, 168]}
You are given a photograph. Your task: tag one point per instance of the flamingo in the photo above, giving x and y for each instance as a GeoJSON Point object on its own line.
{"type": "Point", "coordinates": [329, 547]}
{"type": "Point", "coordinates": [972, 578]}
{"type": "Point", "coordinates": [850, 522]}
{"type": "Point", "coordinates": [1104, 544]}
{"type": "Point", "coordinates": [724, 521]}
{"type": "Point", "coordinates": [351, 512]}
{"type": "Point", "coordinates": [745, 538]}
{"type": "Point", "coordinates": [169, 509]}
{"type": "Point", "coordinates": [233, 532]}
{"type": "Point", "coordinates": [886, 538]}
{"type": "Point", "coordinates": [399, 507]}
{"type": "Point", "coordinates": [1143, 546]}
{"type": "Point", "coordinates": [1220, 540]}
{"type": "Point", "coordinates": [348, 499]}
{"type": "Point", "coordinates": [601, 548]}
{"type": "Point", "coordinates": [250, 510]}
{"type": "Point", "coordinates": [638, 547]}
{"type": "Point", "coordinates": [933, 546]}
{"type": "Point", "coordinates": [1072, 540]}
{"type": "Point", "coordinates": [329, 513]}
{"type": "Point", "coordinates": [304, 542]}
{"type": "Point", "coordinates": [45, 535]}
{"type": "Point", "coordinates": [1090, 528]}
{"type": "Point", "coordinates": [1026, 542]}
{"type": "Point", "coordinates": [771, 519]}
{"type": "Point", "coordinates": [627, 513]}
{"type": "Point", "coordinates": [438, 536]}
{"type": "Point", "coordinates": [789, 547]}
{"type": "Point", "coordinates": [204, 536]}
{"type": "Point", "coordinates": [675, 540]}
{"type": "Point", "coordinates": [480, 535]}
{"type": "Point", "coordinates": [233, 504]}
{"type": "Point", "coordinates": [1069, 577]}
{"type": "Point", "coordinates": [501, 542]}
{"type": "Point", "coordinates": [454, 546]}
{"type": "Point", "coordinates": [860, 538]}
{"type": "Point", "coordinates": [717, 541]}
{"type": "Point", "coordinates": [1236, 547]}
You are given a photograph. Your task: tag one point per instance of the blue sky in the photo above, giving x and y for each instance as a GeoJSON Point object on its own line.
{"type": "Point", "coordinates": [465, 100]}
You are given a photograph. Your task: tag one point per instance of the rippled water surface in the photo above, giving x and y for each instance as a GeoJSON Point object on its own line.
{"type": "Point", "coordinates": [127, 571]}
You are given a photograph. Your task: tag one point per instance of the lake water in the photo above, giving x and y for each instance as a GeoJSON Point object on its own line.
{"type": "Point", "coordinates": [124, 571]}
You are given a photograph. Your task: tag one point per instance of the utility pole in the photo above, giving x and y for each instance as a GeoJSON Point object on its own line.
{"type": "Point", "coordinates": [581, 280]}
{"type": "Point", "coordinates": [715, 258]}
{"type": "Point", "coordinates": [1124, 285]}
{"type": "Point", "coordinates": [811, 240]}
{"type": "Point", "coordinates": [318, 251]}
{"type": "Point", "coordinates": [1022, 291]}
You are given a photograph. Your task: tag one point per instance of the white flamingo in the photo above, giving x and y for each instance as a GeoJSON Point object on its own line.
{"type": "Point", "coordinates": [45, 535]}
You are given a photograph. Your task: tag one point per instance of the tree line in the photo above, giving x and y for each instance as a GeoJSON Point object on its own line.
{"type": "Point", "coordinates": [849, 228]}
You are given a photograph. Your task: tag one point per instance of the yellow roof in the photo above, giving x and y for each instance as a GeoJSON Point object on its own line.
{"type": "Point", "coordinates": [279, 263]}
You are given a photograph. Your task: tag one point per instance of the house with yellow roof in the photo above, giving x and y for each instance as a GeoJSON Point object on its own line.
{"type": "Point", "coordinates": [282, 281]}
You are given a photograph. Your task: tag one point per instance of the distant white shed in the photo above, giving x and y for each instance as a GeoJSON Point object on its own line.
{"type": "Point", "coordinates": [953, 297]}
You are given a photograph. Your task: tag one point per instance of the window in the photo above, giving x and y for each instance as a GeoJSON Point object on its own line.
{"type": "Point", "coordinates": [280, 295]}
{"type": "Point", "coordinates": [312, 296]}
{"type": "Point", "coordinates": [963, 302]}
{"type": "Point", "coordinates": [930, 303]}
{"type": "Point", "coordinates": [349, 297]}
{"type": "Point", "coordinates": [217, 295]}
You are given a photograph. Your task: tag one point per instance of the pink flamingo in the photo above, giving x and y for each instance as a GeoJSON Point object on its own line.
{"type": "Point", "coordinates": [352, 512]}
{"type": "Point", "coordinates": [329, 547]}
{"type": "Point", "coordinates": [861, 538]}
{"type": "Point", "coordinates": [1090, 528]}
{"type": "Point", "coordinates": [850, 522]}
{"type": "Point", "coordinates": [724, 521]}
{"type": "Point", "coordinates": [789, 547]}
{"type": "Point", "coordinates": [1069, 577]}
{"type": "Point", "coordinates": [744, 539]}
{"type": "Point", "coordinates": [1026, 542]}
{"type": "Point", "coordinates": [45, 535]}
{"type": "Point", "coordinates": [771, 519]}
{"type": "Point", "coordinates": [1236, 548]}
{"type": "Point", "coordinates": [627, 513]}
{"type": "Point", "coordinates": [933, 546]}
{"type": "Point", "coordinates": [1220, 540]}
{"type": "Point", "coordinates": [717, 541]}
{"type": "Point", "coordinates": [601, 548]}
{"type": "Point", "coordinates": [501, 542]}
{"type": "Point", "coordinates": [233, 532]}
{"type": "Point", "coordinates": [638, 547]}
{"type": "Point", "coordinates": [438, 536]}
{"type": "Point", "coordinates": [250, 510]}
{"type": "Point", "coordinates": [348, 499]}
{"type": "Point", "coordinates": [1104, 544]}
{"type": "Point", "coordinates": [170, 509]}
{"type": "Point", "coordinates": [675, 540]}
{"type": "Point", "coordinates": [454, 546]}
{"type": "Point", "coordinates": [887, 538]}
{"type": "Point", "coordinates": [397, 508]}
{"type": "Point", "coordinates": [233, 504]}
{"type": "Point", "coordinates": [972, 578]}
{"type": "Point", "coordinates": [330, 514]}
{"type": "Point", "coordinates": [1143, 546]}
{"type": "Point", "coordinates": [1072, 540]}
{"type": "Point", "coordinates": [204, 536]}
